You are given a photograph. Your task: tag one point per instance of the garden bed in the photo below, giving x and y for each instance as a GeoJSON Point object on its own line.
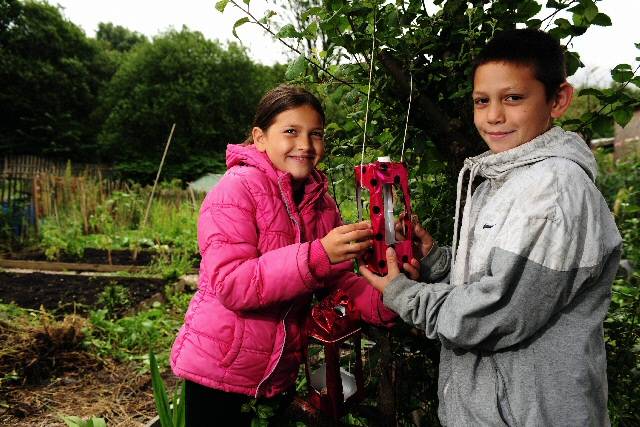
{"type": "Point", "coordinates": [90, 256]}
{"type": "Point", "coordinates": [65, 293]}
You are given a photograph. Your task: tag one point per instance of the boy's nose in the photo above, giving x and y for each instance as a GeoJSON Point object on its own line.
{"type": "Point", "coordinates": [495, 113]}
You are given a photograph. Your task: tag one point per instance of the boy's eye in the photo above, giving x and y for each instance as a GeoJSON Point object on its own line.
{"type": "Point", "coordinates": [513, 98]}
{"type": "Point", "coordinates": [481, 101]}
{"type": "Point", "coordinates": [291, 131]}
{"type": "Point", "coordinates": [317, 134]}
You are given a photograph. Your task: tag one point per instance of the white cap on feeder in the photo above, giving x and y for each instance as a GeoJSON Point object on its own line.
{"type": "Point", "coordinates": [384, 159]}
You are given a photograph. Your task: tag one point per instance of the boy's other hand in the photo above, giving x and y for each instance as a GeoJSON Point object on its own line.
{"type": "Point", "coordinates": [347, 241]}
{"type": "Point", "coordinates": [422, 237]}
{"type": "Point", "coordinates": [380, 283]}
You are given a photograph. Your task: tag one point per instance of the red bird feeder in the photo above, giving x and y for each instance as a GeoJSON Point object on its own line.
{"type": "Point", "coordinates": [332, 324]}
{"type": "Point", "coordinates": [385, 180]}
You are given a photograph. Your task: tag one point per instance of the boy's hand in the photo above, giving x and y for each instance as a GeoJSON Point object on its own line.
{"type": "Point", "coordinates": [380, 283]}
{"type": "Point", "coordinates": [422, 236]}
{"type": "Point", "coordinates": [345, 242]}
{"type": "Point", "coordinates": [423, 242]}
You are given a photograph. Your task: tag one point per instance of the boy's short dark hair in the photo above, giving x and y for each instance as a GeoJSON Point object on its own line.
{"type": "Point", "coordinates": [528, 47]}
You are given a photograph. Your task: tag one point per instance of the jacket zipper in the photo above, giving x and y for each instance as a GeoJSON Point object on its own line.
{"type": "Point", "coordinates": [284, 326]}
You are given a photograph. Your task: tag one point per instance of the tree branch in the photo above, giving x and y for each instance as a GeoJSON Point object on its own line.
{"type": "Point", "coordinates": [439, 125]}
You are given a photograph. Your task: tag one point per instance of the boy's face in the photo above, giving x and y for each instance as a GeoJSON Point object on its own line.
{"type": "Point", "coordinates": [510, 105]}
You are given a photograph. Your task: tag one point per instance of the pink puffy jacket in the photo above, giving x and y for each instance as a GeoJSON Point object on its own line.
{"type": "Point", "coordinates": [259, 269]}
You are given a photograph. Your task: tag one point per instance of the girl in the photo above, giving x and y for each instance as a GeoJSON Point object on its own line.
{"type": "Point", "coordinates": [270, 236]}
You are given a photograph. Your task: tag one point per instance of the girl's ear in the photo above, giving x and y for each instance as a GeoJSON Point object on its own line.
{"type": "Point", "coordinates": [258, 137]}
{"type": "Point", "coordinates": [562, 100]}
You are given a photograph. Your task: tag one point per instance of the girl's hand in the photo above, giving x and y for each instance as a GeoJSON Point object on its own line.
{"type": "Point", "coordinates": [345, 242]}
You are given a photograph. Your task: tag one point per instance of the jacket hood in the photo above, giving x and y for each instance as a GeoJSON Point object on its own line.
{"type": "Point", "coordinates": [556, 142]}
{"type": "Point", "coordinates": [315, 187]}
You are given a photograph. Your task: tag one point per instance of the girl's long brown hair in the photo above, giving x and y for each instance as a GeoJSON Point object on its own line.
{"type": "Point", "coordinates": [282, 98]}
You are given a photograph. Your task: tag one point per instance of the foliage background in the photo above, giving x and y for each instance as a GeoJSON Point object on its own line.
{"type": "Point", "coordinates": [113, 99]}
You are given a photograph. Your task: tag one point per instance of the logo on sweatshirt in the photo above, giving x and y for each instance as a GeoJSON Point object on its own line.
{"type": "Point", "coordinates": [487, 226]}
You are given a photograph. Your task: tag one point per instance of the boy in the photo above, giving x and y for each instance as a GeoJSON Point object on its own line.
{"type": "Point", "coordinates": [521, 317]}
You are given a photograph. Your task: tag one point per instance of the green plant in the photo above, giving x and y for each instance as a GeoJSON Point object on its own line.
{"type": "Point", "coordinates": [114, 299]}
{"type": "Point", "coordinates": [171, 413]}
{"type": "Point", "coordinates": [73, 421]}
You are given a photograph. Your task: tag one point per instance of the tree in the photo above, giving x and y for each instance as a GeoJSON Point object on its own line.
{"type": "Point", "coordinates": [209, 92]}
{"type": "Point", "coordinates": [50, 76]}
{"type": "Point", "coordinates": [426, 50]}
{"type": "Point", "coordinates": [118, 37]}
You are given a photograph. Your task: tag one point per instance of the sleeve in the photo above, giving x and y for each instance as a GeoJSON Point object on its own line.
{"type": "Point", "coordinates": [365, 297]}
{"type": "Point", "coordinates": [242, 277]}
{"type": "Point", "coordinates": [435, 266]}
{"type": "Point", "coordinates": [537, 268]}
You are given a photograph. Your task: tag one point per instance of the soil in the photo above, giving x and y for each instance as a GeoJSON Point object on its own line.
{"type": "Point", "coordinates": [90, 256]}
{"type": "Point", "coordinates": [64, 293]}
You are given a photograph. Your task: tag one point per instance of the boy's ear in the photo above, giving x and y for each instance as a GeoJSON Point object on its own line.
{"type": "Point", "coordinates": [562, 100]}
{"type": "Point", "coordinates": [257, 135]}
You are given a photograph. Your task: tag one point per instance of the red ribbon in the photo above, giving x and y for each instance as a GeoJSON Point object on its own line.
{"type": "Point", "coordinates": [334, 315]}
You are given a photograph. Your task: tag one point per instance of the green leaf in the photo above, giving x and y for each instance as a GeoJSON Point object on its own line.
{"type": "Point", "coordinates": [72, 421]}
{"type": "Point", "coordinates": [296, 68]}
{"type": "Point", "coordinates": [239, 22]}
{"type": "Point", "coordinates": [288, 31]}
{"type": "Point", "coordinates": [622, 115]}
{"type": "Point", "coordinates": [621, 73]}
{"type": "Point", "coordinates": [311, 32]}
{"type": "Point", "coordinates": [573, 62]}
{"type": "Point", "coordinates": [590, 10]}
{"type": "Point", "coordinates": [533, 23]}
{"type": "Point", "coordinates": [159, 393]}
{"type": "Point", "coordinates": [590, 91]}
{"type": "Point", "coordinates": [268, 15]}
{"type": "Point", "coordinates": [529, 9]}
{"type": "Point", "coordinates": [602, 20]}
{"type": "Point", "coordinates": [221, 5]}
{"type": "Point", "coordinates": [312, 11]}
{"type": "Point", "coordinates": [602, 124]}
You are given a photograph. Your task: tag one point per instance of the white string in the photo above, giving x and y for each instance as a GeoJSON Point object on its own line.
{"type": "Point", "coordinates": [406, 125]}
{"type": "Point", "coordinates": [366, 112]}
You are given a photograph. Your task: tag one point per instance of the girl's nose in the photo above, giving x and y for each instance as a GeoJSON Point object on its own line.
{"type": "Point", "coordinates": [304, 142]}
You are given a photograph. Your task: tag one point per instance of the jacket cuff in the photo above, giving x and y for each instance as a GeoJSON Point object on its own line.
{"type": "Point", "coordinates": [435, 266]}
{"type": "Point", "coordinates": [393, 291]}
{"type": "Point", "coordinates": [319, 263]}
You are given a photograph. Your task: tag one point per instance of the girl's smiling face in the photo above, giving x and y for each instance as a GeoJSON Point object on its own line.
{"type": "Point", "coordinates": [511, 106]}
{"type": "Point", "coordinates": [294, 141]}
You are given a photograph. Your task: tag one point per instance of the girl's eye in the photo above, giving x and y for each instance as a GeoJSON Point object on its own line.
{"type": "Point", "coordinates": [290, 131]}
{"type": "Point", "coordinates": [481, 101]}
{"type": "Point", "coordinates": [317, 134]}
{"type": "Point", "coordinates": [513, 98]}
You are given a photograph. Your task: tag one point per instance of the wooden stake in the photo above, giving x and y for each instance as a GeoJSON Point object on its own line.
{"type": "Point", "coordinates": [166, 148]}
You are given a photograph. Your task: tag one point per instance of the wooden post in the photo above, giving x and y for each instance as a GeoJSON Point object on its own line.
{"type": "Point", "coordinates": [36, 206]}
{"type": "Point", "coordinates": [153, 189]}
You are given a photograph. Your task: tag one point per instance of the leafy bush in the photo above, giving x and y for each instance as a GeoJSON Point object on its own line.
{"type": "Point", "coordinates": [619, 181]}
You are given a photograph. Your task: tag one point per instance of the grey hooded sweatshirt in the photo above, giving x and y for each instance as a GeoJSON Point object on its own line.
{"type": "Point", "coordinates": [521, 319]}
